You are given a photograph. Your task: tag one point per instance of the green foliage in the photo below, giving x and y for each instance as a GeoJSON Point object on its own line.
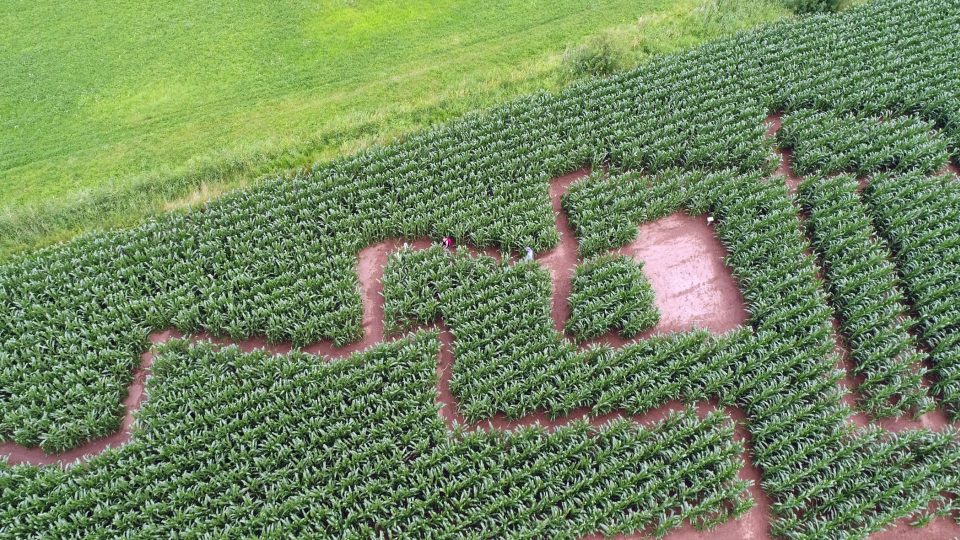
{"type": "Point", "coordinates": [684, 133]}
{"type": "Point", "coordinates": [84, 311]}
{"type": "Point", "coordinates": [827, 143]}
{"type": "Point", "coordinates": [825, 479]}
{"type": "Point", "coordinates": [610, 292]}
{"type": "Point", "coordinates": [168, 108]}
{"type": "Point", "coordinates": [806, 7]}
{"type": "Point", "coordinates": [870, 306]}
{"type": "Point", "coordinates": [598, 57]}
{"type": "Point", "coordinates": [920, 217]}
{"type": "Point", "coordinates": [509, 358]}
{"type": "Point", "coordinates": [254, 445]}
{"type": "Point", "coordinates": [414, 284]}
{"type": "Point", "coordinates": [604, 211]}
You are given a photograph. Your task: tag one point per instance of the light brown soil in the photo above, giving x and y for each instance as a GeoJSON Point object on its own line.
{"type": "Point", "coordinates": [561, 261]}
{"type": "Point", "coordinates": [940, 528]}
{"type": "Point", "coordinates": [684, 262]}
{"type": "Point", "coordinates": [774, 122]}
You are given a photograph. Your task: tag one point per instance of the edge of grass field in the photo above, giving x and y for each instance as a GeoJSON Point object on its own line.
{"type": "Point", "coordinates": [125, 204]}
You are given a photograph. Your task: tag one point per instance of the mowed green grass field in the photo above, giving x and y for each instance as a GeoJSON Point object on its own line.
{"type": "Point", "coordinates": [114, 111]}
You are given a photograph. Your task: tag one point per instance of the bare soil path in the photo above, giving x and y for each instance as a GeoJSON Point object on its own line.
{"type": "Point", "coordinates": [954, 167]}
{"type": "Point", "coordinates": [693, 288]}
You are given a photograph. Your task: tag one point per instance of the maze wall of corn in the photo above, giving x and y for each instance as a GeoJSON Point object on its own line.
{"type": "Point", "coordinates": [824, 151]}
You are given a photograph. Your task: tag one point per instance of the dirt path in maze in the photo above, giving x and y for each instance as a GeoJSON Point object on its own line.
{"type": "Point", "coordinates": [683, 261]}
{"type": "Point", "coordinates": [953, 167]}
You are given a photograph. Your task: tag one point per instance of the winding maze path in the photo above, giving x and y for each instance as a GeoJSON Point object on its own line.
{"type": "Point", "coordinates": [684, 262]}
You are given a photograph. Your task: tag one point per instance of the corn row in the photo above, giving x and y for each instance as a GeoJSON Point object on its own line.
{"type": "Point", "coordinates": [610, 293]}
{"type": "Point", "coordinates": [256, 445]}
{"type": "Point", "coordinates": [871, 306]}
{"type": "Point", "coordinates": [920, 218]}
{"type": "Point", "coordinates": [828, 143]}
{"type": "Point", "coordinates": [334, 447]}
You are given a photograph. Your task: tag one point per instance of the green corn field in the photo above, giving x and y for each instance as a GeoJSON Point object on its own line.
{"type": "Point", "coordinates": [861, 263]}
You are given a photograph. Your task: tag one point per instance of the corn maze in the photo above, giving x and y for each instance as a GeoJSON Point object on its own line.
{"type": "Point", "coordinates": [305, 359]}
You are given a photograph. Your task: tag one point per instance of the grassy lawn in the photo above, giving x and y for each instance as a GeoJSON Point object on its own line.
{"type": "Point", "coordinates": [113, 111]}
